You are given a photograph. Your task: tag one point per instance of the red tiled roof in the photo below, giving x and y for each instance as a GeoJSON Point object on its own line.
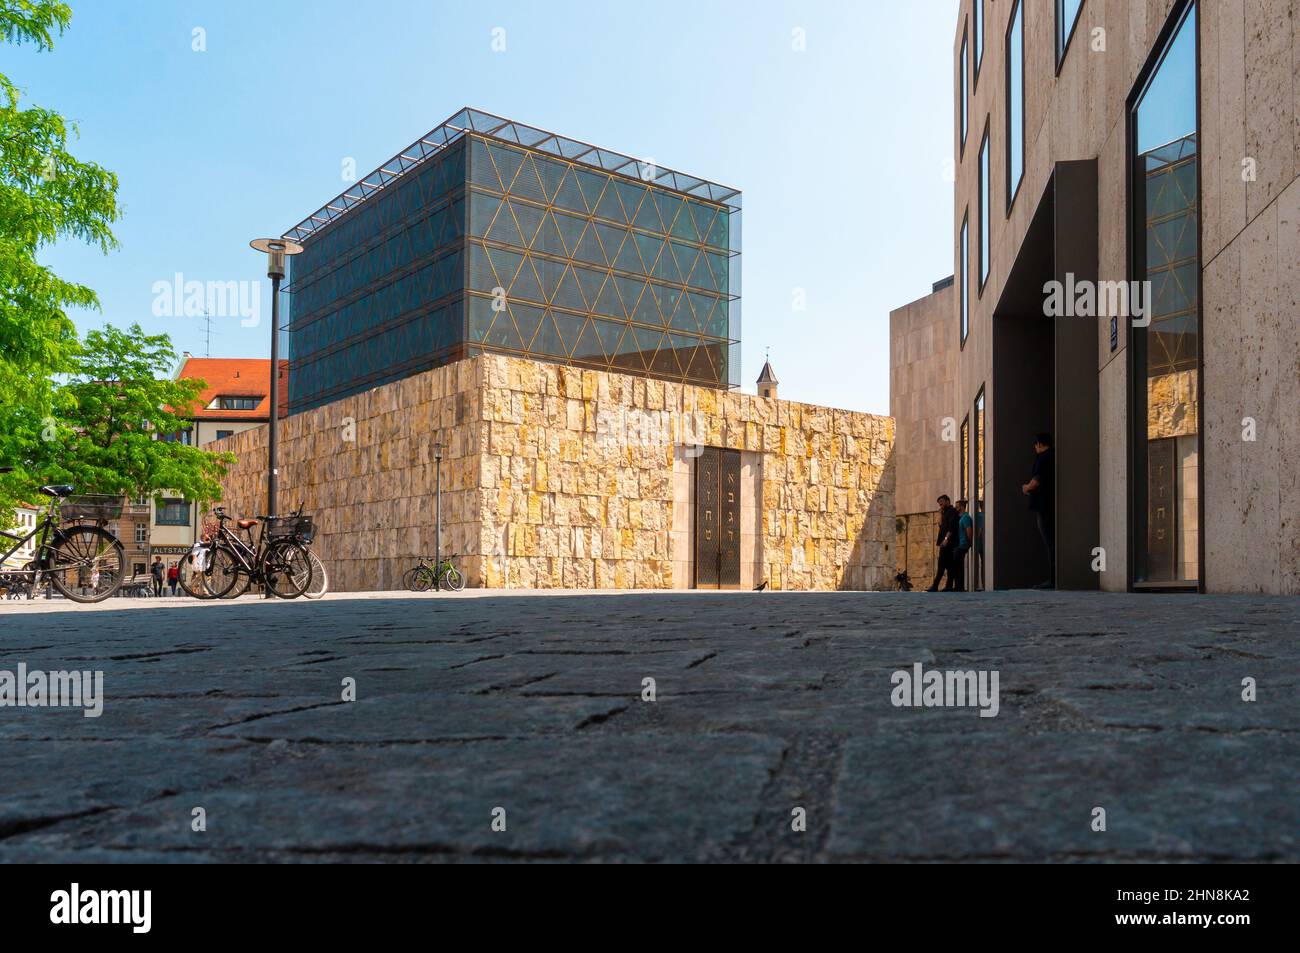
{"type": "Point", "coordinates": [235, 377]}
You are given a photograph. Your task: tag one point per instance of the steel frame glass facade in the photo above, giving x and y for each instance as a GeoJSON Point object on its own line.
{"type": "Point", "coordinates": [488, 235]}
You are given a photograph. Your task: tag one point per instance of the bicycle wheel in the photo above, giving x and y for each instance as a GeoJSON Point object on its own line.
{"type": "Point", "coordinates": [86, 563]}
{"type": "Point", "coordinates": [241, 586]}
{"type": "Point", "coordinates": [193, 582]}
{"type": "Point", "coordinates": [453, 580]}
{"type": "Point", "coordinates": [422, 580]}
{"type": "Point", "coordinates": [286, 569]}
{"type": "Point", "coordinates": [408, 578]}
{"type": "Point", "coordinates": [223, 572]}
{"type": "Point", "coordinates": [320, 581]}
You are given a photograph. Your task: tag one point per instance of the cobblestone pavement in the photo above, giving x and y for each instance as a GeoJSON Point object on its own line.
{"type": "Point", "coordinates": [765, 703]}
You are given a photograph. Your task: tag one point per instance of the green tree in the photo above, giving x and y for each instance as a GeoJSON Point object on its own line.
{"type": "Point", "coordinates": [116, 415]}
{"type": "Point", "coordinates": [46, 194]}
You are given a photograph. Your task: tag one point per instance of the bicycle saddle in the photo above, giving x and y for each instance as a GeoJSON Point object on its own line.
{"type": "Point", "coordinates": [57, 490]}
{"type": "Point", "coordinates": [245, 524]}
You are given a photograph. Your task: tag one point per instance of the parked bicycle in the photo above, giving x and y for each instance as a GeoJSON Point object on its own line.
{"type": "Point", "coordinates": [425, 576]}
{"type": "Point", "coordinates": [84, 561]}
{"type": "Point", "coordinates": [302, 529]}
{"type": "Point", "coordinates": [276, 559]}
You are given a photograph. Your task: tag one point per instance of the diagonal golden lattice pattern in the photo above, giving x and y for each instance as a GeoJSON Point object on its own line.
{"type": "Point", "coordinates": [588, 267]}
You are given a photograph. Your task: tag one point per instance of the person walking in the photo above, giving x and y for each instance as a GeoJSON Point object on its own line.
{"type": "Point", "coordinates": [965, 534]}
{"type": "Point", "coordinates": [173, 577]}
{"type": "Point", "coordinates": [946, 541]}
{"type": "Point", "coordinates": [1042, 503]}
{"type": "Point", "coordinates": [156, 571]}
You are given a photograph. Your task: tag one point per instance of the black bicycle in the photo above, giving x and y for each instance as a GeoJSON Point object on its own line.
{"type": "Point", "coordinates": [425, 575]}
{"type": "Point", "coordinates": [84, 561]}
{"type": "Point", "coordinates": [275, 559]}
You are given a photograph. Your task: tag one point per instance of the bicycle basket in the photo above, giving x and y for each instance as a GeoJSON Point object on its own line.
{"type": "Point", "coordinates": [299, 527]}
{"type": "Point", "coordinates": [91, 506]}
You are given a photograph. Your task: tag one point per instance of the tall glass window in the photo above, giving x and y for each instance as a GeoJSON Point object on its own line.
{"type": "Point", "coordinates": [963, 286]}
{"type": "Point", "coordinates": [1015, 101]}
{"type": "Point", "coordinates": [1166, 354]}
{"type": "Point", "coordinates": [984, 209]}
{"type": "Point", "coordinates": [979, 35]}
{"type": "Point", "coordinates": [977, 500]}
{"type": "Point", "coordinates": [963, 491]}
{"type": "Point", "coordinates": [1067, 14]}
{"type": "Point", "coordinates": [962, 71]}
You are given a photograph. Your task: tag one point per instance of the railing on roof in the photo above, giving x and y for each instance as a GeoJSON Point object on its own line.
{"type": "Point", "coordinates": [474, 120]}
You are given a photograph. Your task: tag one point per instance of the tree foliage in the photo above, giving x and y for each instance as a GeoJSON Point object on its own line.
{"type": "Point", "coordinates": [46, 194]}
{"type": "Point", "coordinates": [111, 415]}
{"type": "Point", "coordinates": [81, 413]}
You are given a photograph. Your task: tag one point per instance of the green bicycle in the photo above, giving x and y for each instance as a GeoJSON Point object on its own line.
{"type": "Point", "coordinates": [425, 576]}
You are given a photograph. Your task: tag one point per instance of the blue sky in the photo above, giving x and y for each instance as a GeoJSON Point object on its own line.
{"type": "Point", "coordinates": [839, 149]}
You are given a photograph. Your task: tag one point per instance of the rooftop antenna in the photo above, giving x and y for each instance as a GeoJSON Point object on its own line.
{"type": "Point", "coordinates": [207, 320]}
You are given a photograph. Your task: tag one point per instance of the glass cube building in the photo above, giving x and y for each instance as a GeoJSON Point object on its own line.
{"type": "Point", "coordinates": [488, 235]}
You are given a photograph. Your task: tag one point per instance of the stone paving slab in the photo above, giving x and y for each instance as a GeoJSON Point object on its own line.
{"type": "Point", "coordinates": [644, 797]}
{"type": "Point", "coordinates": [765, 703]}
{"type": "Point", "coordinates": [1206, 797]}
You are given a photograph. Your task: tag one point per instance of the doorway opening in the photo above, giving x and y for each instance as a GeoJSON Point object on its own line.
{"type": "Point", "coordinates": [717, 519]}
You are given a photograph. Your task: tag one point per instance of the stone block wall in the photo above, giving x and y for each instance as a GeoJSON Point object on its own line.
{"type": "Point", "coordinates": [584, 483]}
{"type": "Point", "coordinates": [363, 467]}
{"type": "Point", "coordinates": [564, 477]}
{"type": "Point", "coordinates": [915, 550]}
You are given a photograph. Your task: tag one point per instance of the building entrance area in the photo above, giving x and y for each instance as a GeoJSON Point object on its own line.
{"type": "Point", "coordinates": [717, 519]}
{"type": "Point", "coordinates": [1045, 381]}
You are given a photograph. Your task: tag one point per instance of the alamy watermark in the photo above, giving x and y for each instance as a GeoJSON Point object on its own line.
{"type": "Point", "coordinates": [633, 427]}
{"type": "Point", "coordinates": [1098, 299]}
{"type": "Point", "coordinates": [38, 689]}
{"type": "Point", "coordinates": [179, 298]}
{"type": "Point", "coordinates": [936, 689]}
{"type": "Point", "coordinates": [129, 907]}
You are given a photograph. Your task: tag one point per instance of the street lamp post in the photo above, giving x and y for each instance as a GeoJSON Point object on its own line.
{"type": "Point", "coordinates": [276, 249]}
{"type": "Point", "coordinates": [437, 516]}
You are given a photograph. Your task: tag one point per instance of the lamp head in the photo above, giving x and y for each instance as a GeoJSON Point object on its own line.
{"type": "Point", "coordinates": [276, 249]}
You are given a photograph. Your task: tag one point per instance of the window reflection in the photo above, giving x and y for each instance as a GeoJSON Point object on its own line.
{"type": "Point", "coordinates": [1166, 354]}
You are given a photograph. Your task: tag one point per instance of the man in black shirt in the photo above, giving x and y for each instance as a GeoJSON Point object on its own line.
{"type": "Point", "coordinates": [1042, 501]}
{"type": "Point", "coordinates": [947, 543]}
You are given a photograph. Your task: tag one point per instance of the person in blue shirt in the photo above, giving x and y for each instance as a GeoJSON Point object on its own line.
{"type": "Point", "coordinates": [965, 534]}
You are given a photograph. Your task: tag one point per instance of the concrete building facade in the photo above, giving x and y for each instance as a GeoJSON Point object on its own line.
{"type": "Point", "coordinates": [922, 386]}
{"type": "Point", "coordinates": [1142, 156]}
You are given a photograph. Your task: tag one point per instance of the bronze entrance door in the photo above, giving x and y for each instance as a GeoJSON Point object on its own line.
{"type": "Point", "coordinates": [717, 519]}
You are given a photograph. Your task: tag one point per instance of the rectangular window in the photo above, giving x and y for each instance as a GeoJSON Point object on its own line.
{"type": "Point", "coordinates": [1165, 360]}
{"type": "Point", "coordinates": [962, 82]}
{"type": "Point", "coordinates": [179, 436]}
{"type": "Point", "coordinates": [977, 501]}
{"type": "Point", "coordinates": [173, 513]}
{"type": "Point", "coordinates": [1067, 15]}
{"type": "Point", "coordinates": [979, 36]}
{"type": "Point", "coordinates": [238, 403]}
{"type": "Point", "coordinates": [142, 532]}
{"type": "Point", "coordinates": [984, 209]}
{"type": "Point", "coordinates": [963, 491]}
{"type": "Point", "coordinates": [1015, 102]}
{"type": "Point", "coordinates": [963, 286]}
{"type": "Point", "coordinates": [223, 434]}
